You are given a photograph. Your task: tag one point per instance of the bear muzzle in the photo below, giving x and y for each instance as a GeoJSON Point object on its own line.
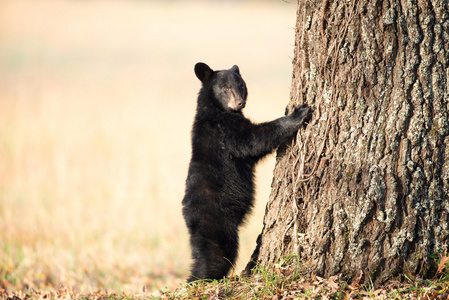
{"type": "Point", "coordinates": [241, 103]}
{"type": "Point", "coordinates": [237, 104]}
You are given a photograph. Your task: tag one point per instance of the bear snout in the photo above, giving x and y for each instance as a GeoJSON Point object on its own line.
{"type": "Point", "coordinates": [236, 102]}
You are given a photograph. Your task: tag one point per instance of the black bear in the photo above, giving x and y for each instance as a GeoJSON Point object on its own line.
{"type": "Point", "coordinates": [220, 184]}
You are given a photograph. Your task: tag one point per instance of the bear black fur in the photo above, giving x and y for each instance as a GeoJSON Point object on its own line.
{"type": "Point", "coordinates": [220, 183]}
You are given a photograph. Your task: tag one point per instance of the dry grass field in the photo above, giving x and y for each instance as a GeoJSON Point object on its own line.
{"type": "Point", "coordinates": [96, 103]}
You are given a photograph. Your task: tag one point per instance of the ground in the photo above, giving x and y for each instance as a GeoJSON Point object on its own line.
{"type": "Point", "coordinates": [276, 283]}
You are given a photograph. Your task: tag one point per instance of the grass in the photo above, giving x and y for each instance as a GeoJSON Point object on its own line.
{"type": "Point", "coordinates": [96, 104]}
{"type": "Point", "coordinates": [288, 281]}
{"type": "Point", "coordinates": [292, 281]}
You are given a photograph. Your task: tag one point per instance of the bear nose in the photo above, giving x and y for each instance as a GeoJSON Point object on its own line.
{"type": "Point", "coordinates": [241, 103]}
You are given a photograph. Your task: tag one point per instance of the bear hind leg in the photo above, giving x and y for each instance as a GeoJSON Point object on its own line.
{"type": "Point", "coordinates": [212, 260]}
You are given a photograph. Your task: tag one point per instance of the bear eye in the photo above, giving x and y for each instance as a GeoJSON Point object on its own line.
{"type": "Point", "coordinates": [226, 89]}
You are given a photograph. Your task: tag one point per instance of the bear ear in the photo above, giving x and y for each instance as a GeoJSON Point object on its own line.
{"type": "Point", "coordinates": [235, 69]}
{"type": "Point", "coordinates": [203, 72]}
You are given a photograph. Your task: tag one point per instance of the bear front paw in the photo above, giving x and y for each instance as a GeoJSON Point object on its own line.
{"type": "Point", "coordinates": [302, 113]}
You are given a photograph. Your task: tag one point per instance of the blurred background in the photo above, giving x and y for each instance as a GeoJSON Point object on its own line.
{"type": "Point", "coordinates": [97, 99]}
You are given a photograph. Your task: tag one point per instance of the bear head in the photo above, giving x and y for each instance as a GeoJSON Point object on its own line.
{"type": "Point", "coordinates": [227, 86]}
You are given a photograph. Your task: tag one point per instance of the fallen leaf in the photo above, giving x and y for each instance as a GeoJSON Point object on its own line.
{"type": "Point", "coordinates": [335, 287]}
{"type": "Point", "coordinates": [444, 259]}
{"type": "Point", "coordinates": [356, 281]}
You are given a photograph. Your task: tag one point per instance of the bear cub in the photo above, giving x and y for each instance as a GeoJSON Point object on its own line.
{"type": "Point", "coordinates": [226, 146]}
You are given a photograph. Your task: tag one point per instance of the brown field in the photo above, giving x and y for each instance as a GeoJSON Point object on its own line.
{"type": "Point", "coordinates": [96, 103]}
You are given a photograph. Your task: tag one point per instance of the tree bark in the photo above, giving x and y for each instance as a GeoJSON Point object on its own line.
{"type": "Point", "coordinates": [365, 186]}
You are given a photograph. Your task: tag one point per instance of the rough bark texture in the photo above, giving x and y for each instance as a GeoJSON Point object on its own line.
{"type": "Point", "coordinates": [365, 186]}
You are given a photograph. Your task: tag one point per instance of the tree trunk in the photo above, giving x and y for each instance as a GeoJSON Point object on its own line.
{"type": "Point", "coordinates": [365, 186]}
